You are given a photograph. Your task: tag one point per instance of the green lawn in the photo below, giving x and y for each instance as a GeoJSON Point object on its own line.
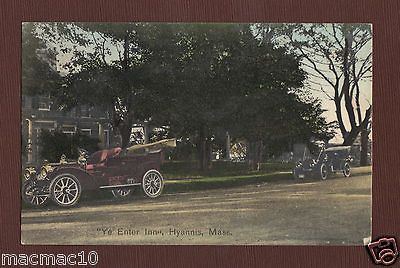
{"type": "Point", "coordinates": [185, 176]}
{"type": "Point", "coordinates": [186, 169]}
{"type": "Point", "coordinates": [173, 186]}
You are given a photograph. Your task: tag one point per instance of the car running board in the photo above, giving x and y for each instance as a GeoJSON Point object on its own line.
{"type": "Point", "coordinates": [120, 185]}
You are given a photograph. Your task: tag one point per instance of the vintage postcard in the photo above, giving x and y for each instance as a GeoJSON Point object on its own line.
{"type": "Point", "coordinates": [196, 133]}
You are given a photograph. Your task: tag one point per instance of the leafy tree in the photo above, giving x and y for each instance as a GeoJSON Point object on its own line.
{"type": "Point", "coordinates": [188, 80]}
{"type": "Point", "coordinates": [194, 80]}
{"type": "Point", "coordinates": [100, 64]}
{"type": "Point", "coordinates": [340, 55]}
{"type": "Point", "coordinates": [272, 110]}
{"type": "Point", "coordinates": [39, 74]}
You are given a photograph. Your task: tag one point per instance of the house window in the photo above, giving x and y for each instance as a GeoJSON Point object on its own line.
{"type": "Point", "coordinates": [44, 104]}
{"type": "Point", "coordinates": [86, 131]}
{"type": "Point", "coordinates": [46, 124]}
{"type": "Point", "coordinates": [69, 130]}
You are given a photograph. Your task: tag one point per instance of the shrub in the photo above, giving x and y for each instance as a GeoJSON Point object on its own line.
{"type": "Point", "coordinates": [55, 143]}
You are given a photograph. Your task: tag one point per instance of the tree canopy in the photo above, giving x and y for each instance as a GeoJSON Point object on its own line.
{"type": "Point", "coordinates": [39, 74]}
{"type": "Point", "coordinates": [196, 81]}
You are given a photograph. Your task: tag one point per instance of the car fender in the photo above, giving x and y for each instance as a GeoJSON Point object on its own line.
{"type": "Point", "coordinates": [147, 165]}
{"type": "Point", "coordinates": [86, 180]}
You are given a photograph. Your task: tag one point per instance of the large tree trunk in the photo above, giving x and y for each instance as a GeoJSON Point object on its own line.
{"type": "Point", "coordinates": [352, 135]}
{"type": "Point", "coordinates": [228, 146]}
{"type": "Point", "coordinates": [364, 147]}
{"type": "Point", "coordinates": [208, 154]}
{"type": "Point", "coordinates": [125, 125]}
{"type": "Point", "coordinates": [204, 151]}
{"type": "Point", "coordinates": [339, 116]}
{"type": "Point", "coordinates": [255, 154]}
{"type": "Point", "coordinates": [125, 132]}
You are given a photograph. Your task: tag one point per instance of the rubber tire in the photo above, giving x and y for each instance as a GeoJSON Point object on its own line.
{"type": "Point", "coordinates": [118, 196]}
{"type": "Point", "coordinates": [323, 175]}
{"type": "Point", "coordinates": [52, 188]}
{"type": "Point", "coordinates": [26, 199]}
{"type": "Point", "coordinates": [161, 187]}
{"type": "Point", "coordinates": [345, 174]}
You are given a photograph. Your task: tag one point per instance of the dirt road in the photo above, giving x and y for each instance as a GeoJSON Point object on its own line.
{"type": "Point", "coordinates": [336, 212]}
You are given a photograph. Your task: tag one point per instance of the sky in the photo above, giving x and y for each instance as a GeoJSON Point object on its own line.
{"type": "Point", "coordinates": [329, 105]}
{"type": "Point", "coordinates": [365, 89]}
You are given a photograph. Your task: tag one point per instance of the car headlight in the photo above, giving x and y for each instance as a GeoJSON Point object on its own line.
{"type": "Point", "coordinates": [44, 171]}
{"type": "Point", "coordinates": [27, 175]}
{"type": "Point", "coordinates": [29, 171]}
{"type": "Point", "coordinates": [42, 174]}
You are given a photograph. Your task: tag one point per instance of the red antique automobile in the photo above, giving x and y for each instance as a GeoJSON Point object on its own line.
{"type": "Point", "coordinates": [116, 169]}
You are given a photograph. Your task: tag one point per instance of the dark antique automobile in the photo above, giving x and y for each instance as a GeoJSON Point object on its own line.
{"type": "Point", "coordinates": [330, 160]}
{"type": "Point", "coordinates": [116, 169]}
